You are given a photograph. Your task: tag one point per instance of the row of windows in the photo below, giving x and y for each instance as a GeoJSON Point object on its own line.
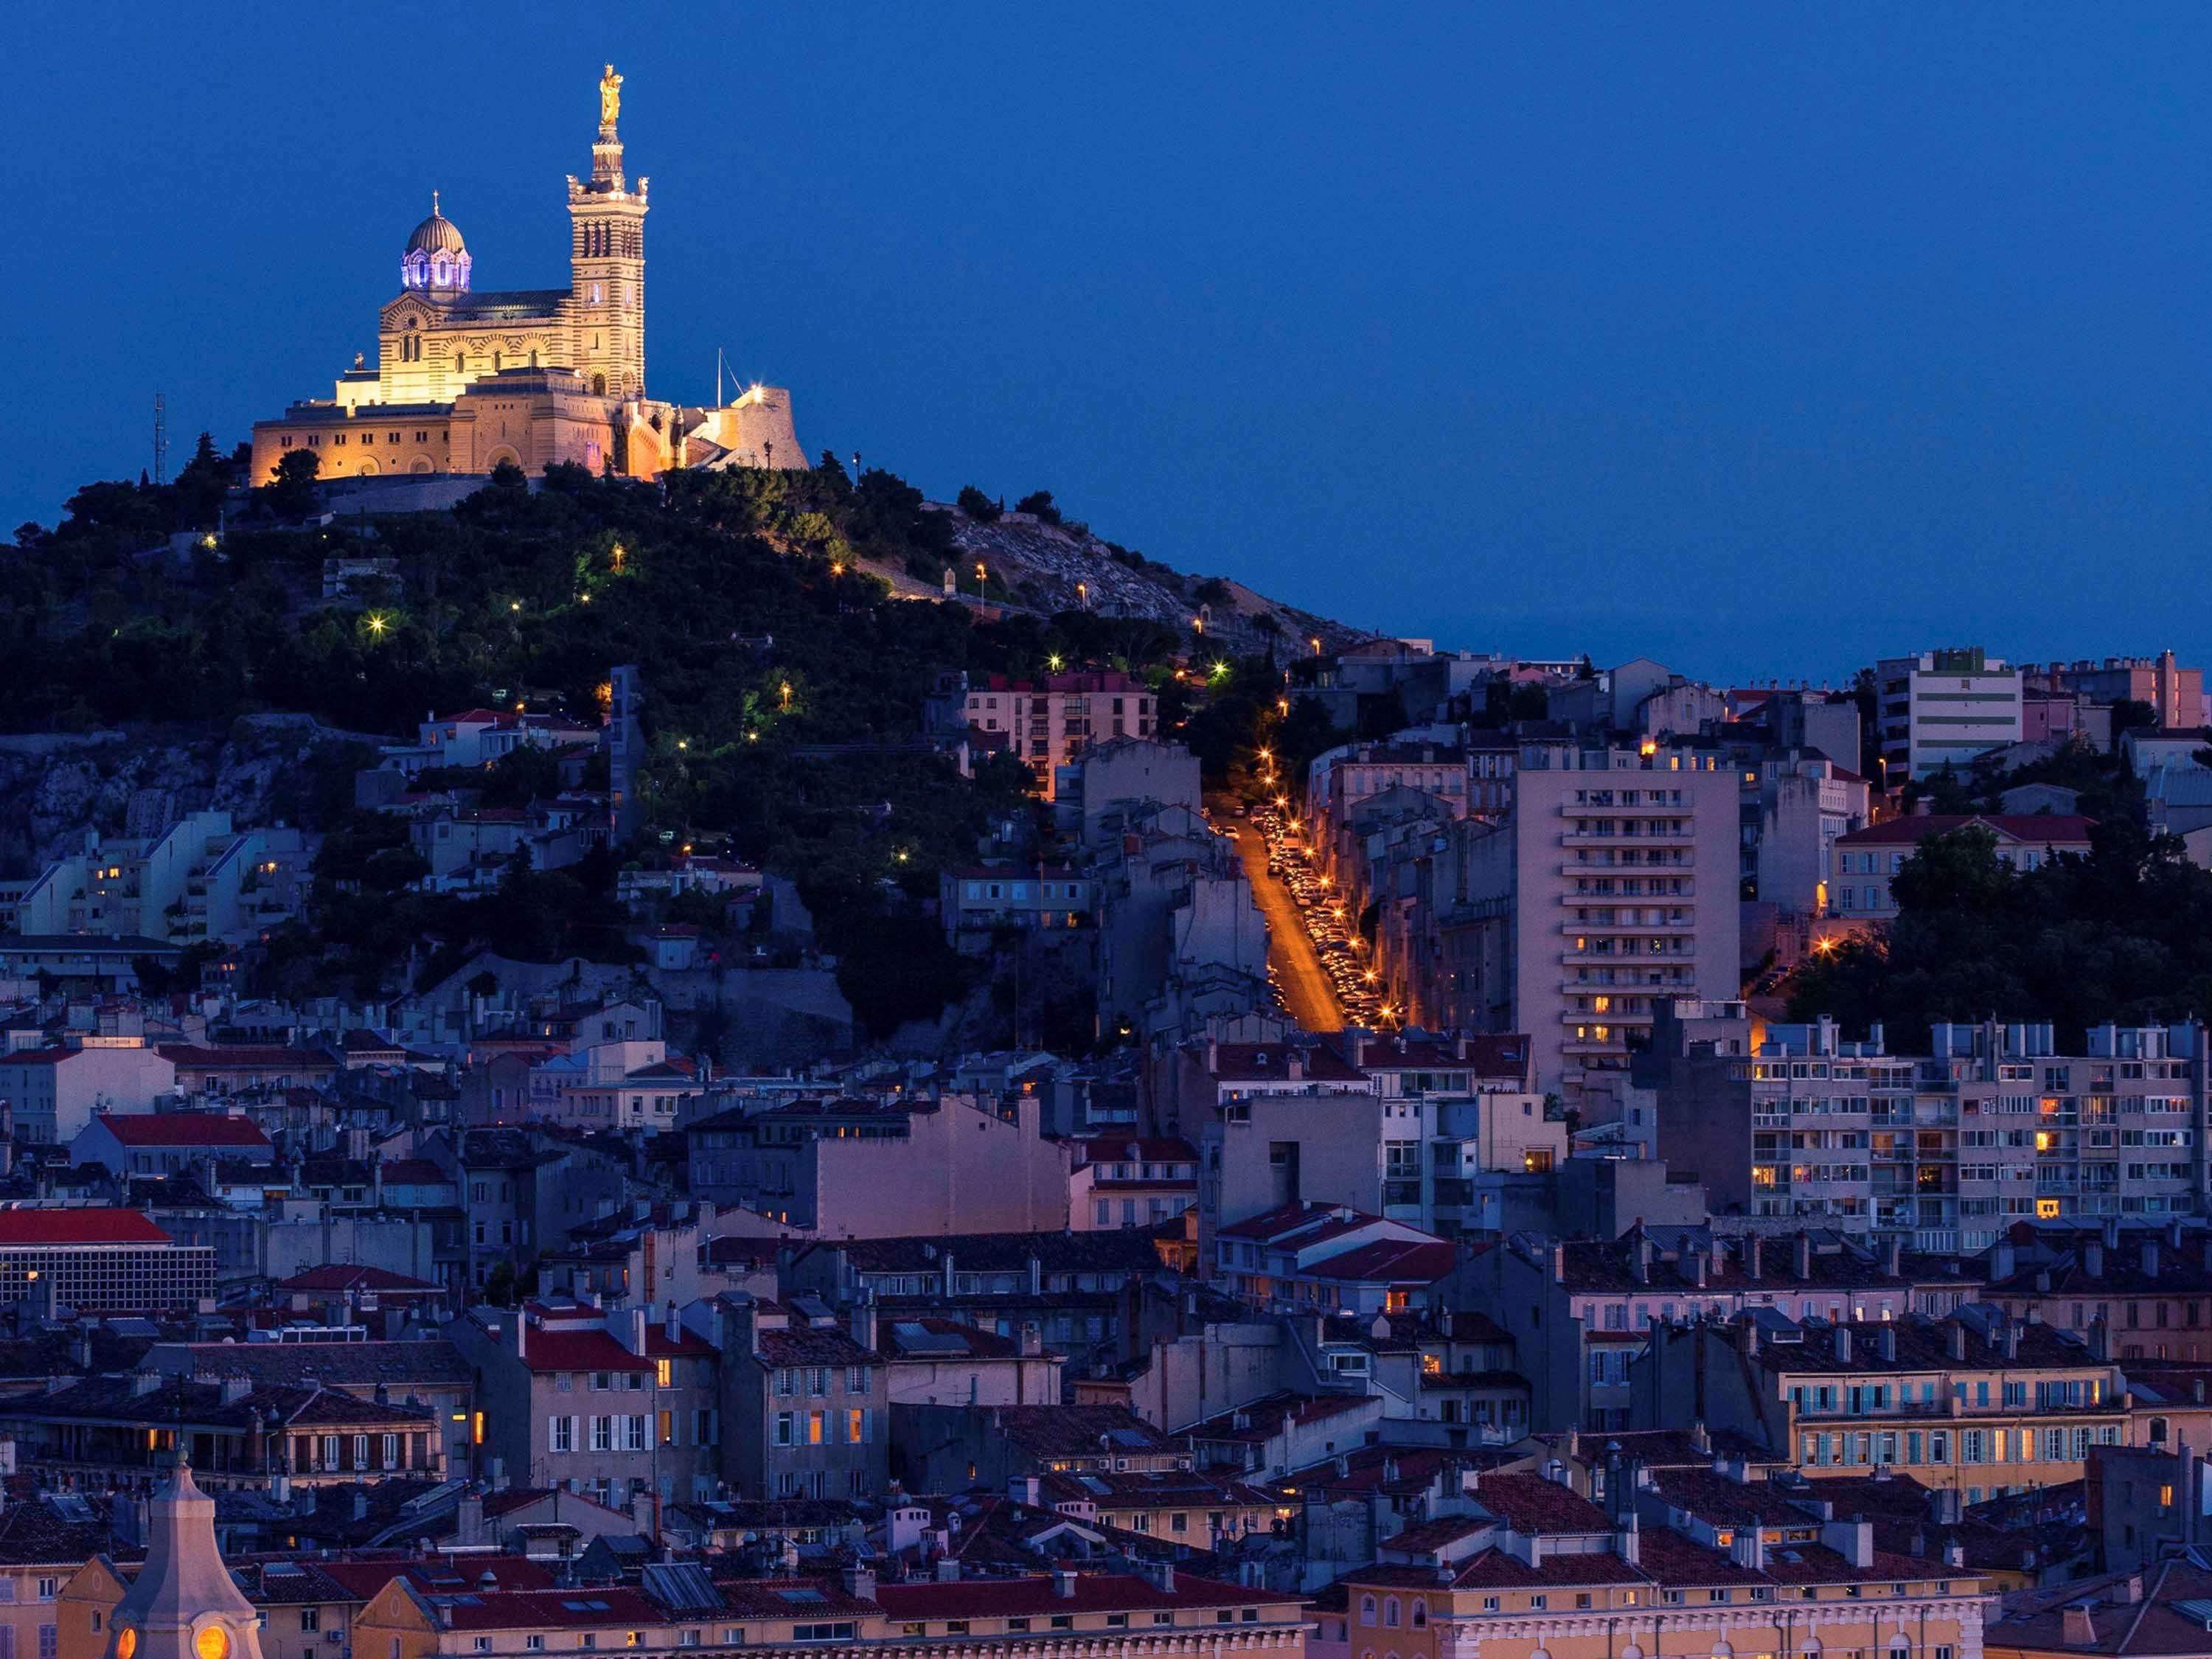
{"type": "Point", "coordinates": [817, 1379]}
{"type": "Point", "coordinates": [1910, 1448]}
{"type": "Point", "coordinates": [631, 1433]}
{"type": "Point", "coordinates": [819, 1428]}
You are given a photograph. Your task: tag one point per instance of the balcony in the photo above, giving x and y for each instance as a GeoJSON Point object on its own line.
{"type": "Point", "coordinates": [1620, 838]}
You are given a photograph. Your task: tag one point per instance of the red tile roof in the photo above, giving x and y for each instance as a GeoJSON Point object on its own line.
{"type": "Point", "coordinates": [1094, 1592]}
{"type": "Point", "coordinates": [1269, 1062]}
{"type": "Point", "coordinates": [583, 1609]}
{"type": "Point", "coordinates": [181, 1129]}
{"type": "Point", "coordinates": [598, 1351]}
{"type": "Point", "coordinates": [1530, 1504]}
{"type": "Point", "coordinates": [362, 1579]}
{"type": "Point", "coordinates": [33, 1227]}
{"type": "Point", "coordinates": [1390, 1261]}
{"type": "Point", "coordinates": [245, 1058]}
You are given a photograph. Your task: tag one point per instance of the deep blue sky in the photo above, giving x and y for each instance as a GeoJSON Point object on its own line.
{"type": "Point", "coordinates": [1762, 339]}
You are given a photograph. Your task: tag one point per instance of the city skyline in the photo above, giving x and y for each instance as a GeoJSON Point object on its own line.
{"type": "Point", "coordinates": [1550, 309]}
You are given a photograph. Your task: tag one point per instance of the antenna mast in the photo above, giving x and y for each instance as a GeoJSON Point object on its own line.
{"type": "Point", "coordinates": [161, 439]}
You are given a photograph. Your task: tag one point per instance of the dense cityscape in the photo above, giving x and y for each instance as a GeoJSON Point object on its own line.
{"type": "Point", "coordinates": [614, 1038]}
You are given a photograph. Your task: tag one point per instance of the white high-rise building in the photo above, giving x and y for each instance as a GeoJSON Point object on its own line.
{"type": "Point", "coordinates": [1944, 709]}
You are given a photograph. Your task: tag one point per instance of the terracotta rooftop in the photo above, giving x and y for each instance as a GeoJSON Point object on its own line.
{"type": "Point", "coordinates": [181, 1129]}
{"type": "Point", "coordinates": [64, 1227]}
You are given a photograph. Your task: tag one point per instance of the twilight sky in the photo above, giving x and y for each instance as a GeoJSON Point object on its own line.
{"type": "Point", "coordinates": [1761, 339]}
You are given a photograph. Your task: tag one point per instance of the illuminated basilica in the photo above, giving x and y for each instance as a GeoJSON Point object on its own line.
{"type": "Point", "coordinates": [464, 380]}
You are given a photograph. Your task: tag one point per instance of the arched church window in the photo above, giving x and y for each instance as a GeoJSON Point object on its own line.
{"type": "Point", "coordinates": [498, 361]}
{"type": "Point", "coordinates": [460, 361]}
{"type": "Point", "coordinates": [598, 385]}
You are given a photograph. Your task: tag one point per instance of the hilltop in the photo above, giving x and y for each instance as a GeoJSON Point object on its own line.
{"type": "Point", "coordinates": [789, 625]}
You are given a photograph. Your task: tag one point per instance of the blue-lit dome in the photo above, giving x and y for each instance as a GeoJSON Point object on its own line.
{"type": "Point", "coordinates": [436, 256]}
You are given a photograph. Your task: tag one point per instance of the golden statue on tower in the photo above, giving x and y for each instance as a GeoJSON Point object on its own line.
{"type": "Point", "coordinates": [609, 96]}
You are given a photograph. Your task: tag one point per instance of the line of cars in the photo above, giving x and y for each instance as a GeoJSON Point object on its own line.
{"type": "Point", "coordinates": [1334, 931]}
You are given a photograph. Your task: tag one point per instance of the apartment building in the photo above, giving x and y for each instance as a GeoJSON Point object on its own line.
{"type": "Point", "coordinates": [1443, 1158]}
{"type": "Point", "coordinates": [613, 1403]}
{"type": "Point", "coordinates": [1118, 1181]}
{"type": "Point", "coordinates": [1976, 1402]}
{"type": "Point", "coordinates": [1803, 804]}
{"type": "Point", "coordinates": [1535, 1569]}
{"type": "Point", "coordinates": [2149, 1289]}
{"type": "Point", "coordinates": [1942, 708]}
{"type": "Point", "coordinates": [1942, 1149]}
{"type": "Point", "coordinates": [1179, 930]}
{"type": "Point", "coordinates": [1581, 1312]}
{"type": "Point", "coordinates": [1865, 861]}
{"type": "Point", "coordinates": [976, 901]}
{"type": "Point", "coordinates": [1049, 723]}
{"type": "Point", "coordinates": [96, 1259]}
{"type": "Point", "coordinates": [2174, 694]}
{"type": "Point", "coordinates": [1610, 889]}
{"type": "Point", "coordinates": [806, 1397]}
{"type": "Point", "coordinates": [1330, 1257]}
{"type": "Point", "coordinates": [196, 879]}
{"type": "Point", "coordinates": [56, 1089]}
{"type": "Point", "coordinates": [678, 1606]}
{"type": "Point", "coordinates": [853, 1169]}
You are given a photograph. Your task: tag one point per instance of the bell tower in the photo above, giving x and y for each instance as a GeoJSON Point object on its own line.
{"type": "Point", "coordinates": [607, 262]}
{"type": "Point", "coordinates": [184, 1603]}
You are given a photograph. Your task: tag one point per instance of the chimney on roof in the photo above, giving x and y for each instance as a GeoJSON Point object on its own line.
{"type": "Point", "coordinates": [861, 1581]}
{"type": "Point", "coordinates": [639, 1319]}
{"type": "Point", "coordinates": [2150, 1258]}
{"type": "Point", "coordinates": [1801, 1251]}
{"type": "Point", "coordinates": [1752, 1247]}
{"type": "Point", "coordinates": [862, 1321]}
{"type": "Point", "coordinates": [1063, 1583]}
{"type": "Point", "coordinates": [1954, 1338]}
{"type": "Point", "coordinates": [1643, 1257]}
{"type": "Point", "coordinates": [521, 1331]}
{"type": "Point", "coordinates": [2092, 1259]}
{"type": "Point", "coordinates": [2001, 1264]}
{"type": "Point", "coordinates": [948, 1570]}
{"type": "Point", "coordinates": [1843, 1345]}
{"type": "Point", "coordinates": [2011, 1340]}
{"type": "Point", "coordinates": [472, 1518]}
{"type": "Point", "coordinates": [2077, 1629]}
{"type": "Point", "coordinates": [1024, 1489]}
{"type": "Point", "coordinates": [1886, 1343]}
{"type": "Point", "coordinates": [673, 1330]}
{"type": "Point", "coordinates": [1893, 1257]}
{"type": "Point", "coordinates": [1853, 1540]}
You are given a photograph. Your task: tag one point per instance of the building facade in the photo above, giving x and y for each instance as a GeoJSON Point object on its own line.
{"type": "Point", "coordinates": [1942, 708]}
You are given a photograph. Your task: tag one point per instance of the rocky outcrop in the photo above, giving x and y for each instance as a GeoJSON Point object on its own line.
{"type": "Point", "coordinates": [1049, 567]}
{"type": "Point", "coordinates": [54, 786]}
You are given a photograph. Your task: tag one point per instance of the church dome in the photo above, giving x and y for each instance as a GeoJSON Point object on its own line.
{"type": "Point", "coordinates": [436, 234]}
{"type": "Point", "coordinates": [436, 256]}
